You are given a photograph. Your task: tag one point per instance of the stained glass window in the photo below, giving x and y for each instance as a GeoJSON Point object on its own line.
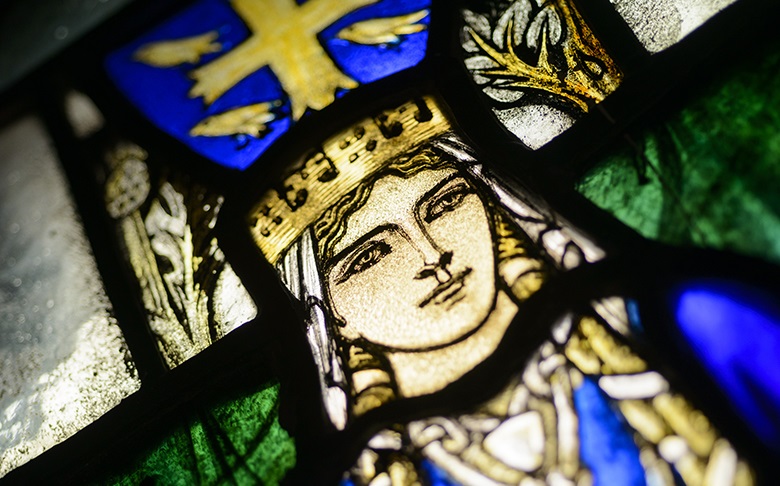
{"type": "Point", "coordinates": [390, 242]}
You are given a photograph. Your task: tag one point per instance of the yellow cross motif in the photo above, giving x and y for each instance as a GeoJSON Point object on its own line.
{"type": "Point", "coordinates": [284, 37]}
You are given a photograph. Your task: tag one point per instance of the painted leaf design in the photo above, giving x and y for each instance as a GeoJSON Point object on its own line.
{"type": "Point", "coordinates": [385, 30]}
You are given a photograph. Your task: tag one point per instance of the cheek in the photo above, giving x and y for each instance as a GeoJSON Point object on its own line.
{"type": "Point", "coordinates": [371, 302]}
{"type": "Point", "coordinates": [466, 233]}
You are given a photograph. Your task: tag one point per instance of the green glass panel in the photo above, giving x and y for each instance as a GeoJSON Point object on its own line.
{"type": "Point", "coordinates": [707, 175]}
{"type": "Point", "coordinates": [238, 441]}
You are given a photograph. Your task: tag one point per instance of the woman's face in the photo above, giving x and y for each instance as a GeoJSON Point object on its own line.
{"type": "Point", "coordinates": [416, 267]}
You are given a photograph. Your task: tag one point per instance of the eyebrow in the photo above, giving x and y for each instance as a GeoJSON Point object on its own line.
{"type": "Point", "coordinates": [354, 246]}
{"type": "Point", "coordinates": [435, 189]}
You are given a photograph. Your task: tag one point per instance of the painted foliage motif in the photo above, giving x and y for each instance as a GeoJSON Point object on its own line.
{"type": "Point", "coordinates": [539, 64]}
{"type": "Point", "coordinates": [191, 295]}
{"type": "Point", "coordinates": [229, 78]}
{"type": "Point", "coordinates": [411, 260]}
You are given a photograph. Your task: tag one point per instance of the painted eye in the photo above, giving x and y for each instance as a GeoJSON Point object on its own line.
{"type": "Point", "coordinates": [446, 202]}
{"type": "Point", "coordinates": [368, 257]}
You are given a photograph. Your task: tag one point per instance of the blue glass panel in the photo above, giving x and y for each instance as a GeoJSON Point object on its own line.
{"type": "Point", "coordinates": [367, 63]}
{"type": "Point", "coordinates": [606, 445]}
{"type": "Point", "coordinates": [735, 332]}
{"type": "Point", "coordinates": [634, 319]}
{"type": "Point", "coordinates": [162, 93]}
{"type": "Point", "coordinates": [435, 476]}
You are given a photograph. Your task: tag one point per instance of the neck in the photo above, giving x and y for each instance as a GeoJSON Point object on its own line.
{"type": "Point", "coordinates": [420, 373]}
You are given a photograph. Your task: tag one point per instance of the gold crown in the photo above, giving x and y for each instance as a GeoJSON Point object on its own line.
{"type": "Point", "coordinates": [346, 159]}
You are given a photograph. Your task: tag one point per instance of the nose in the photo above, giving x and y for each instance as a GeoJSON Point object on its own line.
{"type": "Point", "coordinates": [435, 260]}
{"type": "Point", "coordinates": [437, 269]}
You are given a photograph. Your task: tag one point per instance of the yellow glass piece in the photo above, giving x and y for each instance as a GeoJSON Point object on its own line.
{"type": "Point", "coordinates": [581, 354]}
{"type": "Point", "coordinates": [403, 473]}
{"type": "Point", "coordinates": [645, 419]}
{"type": "Point", "coordinates": [588, 76]}
{"type": "Point", "coordinates": [615, 357]}
{"type": "Point", "coordinates": [190, 293]}
{"type": "Point", "coordinates": [687, 422]}
{"type": "Point", "coordinates": [744, 475]}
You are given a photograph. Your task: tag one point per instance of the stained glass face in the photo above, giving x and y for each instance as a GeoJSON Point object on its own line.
{"type": "Point", "coordinates": [412, 278]}
{"type": "Point", "coordinates": [63, 359]}
{"type": "Point", "coordinates": [228, 79]}
{"type": "Point", "coordinates": [380, 242]}
{"type": "Point", "coordinates": [395, 232]}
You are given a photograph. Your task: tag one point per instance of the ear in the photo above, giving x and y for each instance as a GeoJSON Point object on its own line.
{"type": "Point", "coordinates": [347, 332]}
{"type": "Point", "coordinates": [338, 323]}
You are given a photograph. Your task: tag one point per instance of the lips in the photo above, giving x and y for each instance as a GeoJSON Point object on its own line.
{"type": "Point", "coordinates": [446, 291]}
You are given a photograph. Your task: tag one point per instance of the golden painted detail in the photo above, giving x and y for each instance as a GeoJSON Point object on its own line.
{"type": "Point", "coordinates": [383, 31]}
{"type": "Point", "coordinates": [569, 61]}
{"type": "Point", "coordinates": [174, 52]}
{"type": "Point", "coordinates": [401, 471]}
{"type": "Point", "coordinates": [189, 291]}
{"type": "Point", "coordinates": [249, 120]}
{"type": "Point", "coordinates": [687, 422]}
{"type": "Point", "coordinates": [645, 419]}
{"type": "Point", "coordinates": [681, 434]}
{"type": "Point", "coordinates": [372, 386]}
{"type": "Point", "coordinates": [365, 379]}
{"type": "Point", "coordinates": [283, 37]}
{"type": "Point", "coordinates": [521, 270]}
{"type": "Point", "coordinates": [338, 167]}
{"type": "Point", "coordinates": [614, 357]}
